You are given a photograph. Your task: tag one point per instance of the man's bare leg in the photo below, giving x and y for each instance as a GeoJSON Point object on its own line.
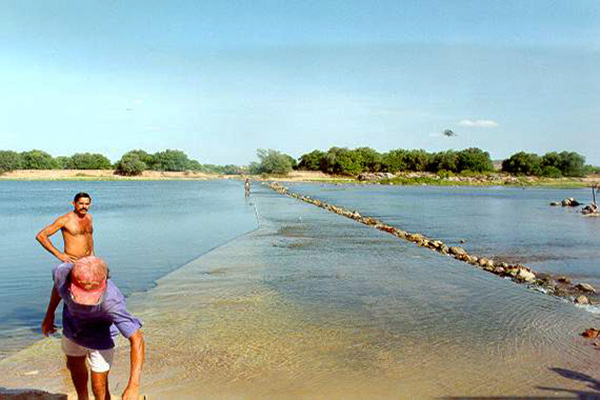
{"type": "Point", "coordinates": [100, 385]}
{"type": "Point", "coordinates": [79, 376]}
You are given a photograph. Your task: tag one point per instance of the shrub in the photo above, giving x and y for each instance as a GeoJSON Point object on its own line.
{"type": "Point", "coordinates": [130, 165]}
{"type": "Point", "coordinates": [170, 160]}
{"type": "Point", "coordinates": [550, 171]}
{"type": "Point", "coordinates": [88, 161]}
{"type": "Point", "coordinates": [522, 163]}
{"type": "Point", "coordinates": [38, 159]}
{"type": "Point", "coordinates": [311, 161]}
{"type": "Point", "coordinates": [475, 160]}
{"type": "Point", "coordinates": [443, 161]}
{"type": "Point", "coordinates": [9, 161]}
{"type": "Point", "coordinates": [271, 162]}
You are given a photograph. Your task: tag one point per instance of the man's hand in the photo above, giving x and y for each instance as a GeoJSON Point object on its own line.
{"type": "Point", "coordinates": [66, 258]}
{"type": "Point", "coordinates": [48, 326]}
{"type": "Point", "coordinates": [131, 392]}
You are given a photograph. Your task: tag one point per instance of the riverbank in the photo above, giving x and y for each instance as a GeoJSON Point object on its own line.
{"type": "Point", "coordinates": [404, 178]}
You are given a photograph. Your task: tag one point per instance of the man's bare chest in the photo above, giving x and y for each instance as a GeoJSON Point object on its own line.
{"type": "Point", "coordinates": [79, 227]}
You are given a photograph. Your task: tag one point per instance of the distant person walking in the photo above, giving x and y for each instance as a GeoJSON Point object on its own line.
{"type": "Point", "coordinates": [247, 188]}
{"type": "Point", "coordinates": [94, 313]}
{"type": "Point", "coordinates": [76, 228]}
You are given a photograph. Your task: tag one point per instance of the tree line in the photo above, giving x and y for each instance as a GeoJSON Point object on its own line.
{"type": "Point", "coordinates": [344, 161]}
{"type": "Point", "coordinates": [131, 163]}
{"type": "Point", "coordinates": [336, 160]}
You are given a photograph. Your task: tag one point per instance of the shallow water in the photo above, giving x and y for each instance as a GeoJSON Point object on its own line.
{"type": "Point", "coordinates": [143, 229]}
{"type": "Point", "coordinates": [314, 305]}
{"type": "Point", "coordinates": [507, 224]}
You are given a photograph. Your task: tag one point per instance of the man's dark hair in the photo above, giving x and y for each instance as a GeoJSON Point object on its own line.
{"type": "Point", "coordinates": [80, 195]}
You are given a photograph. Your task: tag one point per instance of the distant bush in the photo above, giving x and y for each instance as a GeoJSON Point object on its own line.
{"type": "Point", "coordinates": [311, 161]}
{"type": "Point", "coordinates": [550, 171]}
{"type": "Point", "coordinates": [551, 164]}
{"type": "Point", "coordinates": [9, 161]}
{"type": "Point", "coordinates": [38, 159]}
{"type": "Point", "coordinates": [523, 163]}
{"type": "Point", "coordinates": [341, 161]}
{"type": "Point", "coordinates": [443, 161]}
{"type": "Point", "coordinates": [271, 162]}
{"type": "Point", "coordinates": [474, 159]}
{"type": "Point", "coordinates": [130, 165]}
{"type": "Point", "coordinates": [62, 162]}
{"type": "Point", "coordinates": [88, 161]}
{"type": "Point", "coordinates": [394, 161]}
{"type": "Point", "coordinates": [170, 160]}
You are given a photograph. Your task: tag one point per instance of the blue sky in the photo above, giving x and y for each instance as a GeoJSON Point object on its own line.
{"type": "Point", "coordinates": [219, 79]}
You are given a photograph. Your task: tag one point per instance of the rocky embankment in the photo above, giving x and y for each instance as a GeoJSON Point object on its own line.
{"type": "Point", "coordinates": [564, 287]}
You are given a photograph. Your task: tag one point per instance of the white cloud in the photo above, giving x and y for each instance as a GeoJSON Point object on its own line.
{"type": "Point", "coordinates": [479, 123]}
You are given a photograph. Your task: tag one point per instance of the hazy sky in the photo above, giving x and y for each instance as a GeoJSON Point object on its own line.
{"type": "Point", "coordinates": [219, 79]}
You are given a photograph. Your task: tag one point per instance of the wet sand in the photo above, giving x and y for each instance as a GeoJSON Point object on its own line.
{"type": "Point", "coordinates": [312, 305]}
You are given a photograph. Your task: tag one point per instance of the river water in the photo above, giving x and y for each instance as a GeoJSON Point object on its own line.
{"type": "Point", "coordinates": [315, 305]}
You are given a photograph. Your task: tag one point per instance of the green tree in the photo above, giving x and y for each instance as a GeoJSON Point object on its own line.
{"type": "Point", "coordinates": [369, 159]}
{"type": "Point", "coordinates": [443, 161]}
{"type": "Point", "coordinates": [194, 165]}
{"type": "Point", "coordinates": [571, 163]}
{"type": "Point", "coordinates": [38, 159]}
{"type": "Point", "coordinates": [340, 160]}
{"type": "Point", "coordinates": [550, 171]}
{"type": "Point", "coordinates": [9, 161]}
{"type": "Point", "coordinates": [88, 161]}
{"type": "Point", "coordinates": [416, 160]}
{"type": "Point", "coordinates": [311, 161]}
{"type": "Point", "coordinates": [474, 159]}
{"type": "Point", "coordinates": [130, 165]}
{"type": "Point", "coordinates": [522, 163]}
{"type": "Point", "coordinates": [62, 162]}
{"type": "Point", "coordinates": [271, 162]}
{"type": "Point", "coordinates": [144, 157]}
{"type": "Point", "coordinates": [170, 160]}
{"type": "Point", "coordinates": [394, 161]}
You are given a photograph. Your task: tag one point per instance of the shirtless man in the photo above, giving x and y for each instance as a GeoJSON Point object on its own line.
{"type": "Point", "coordinates": [76, 227]}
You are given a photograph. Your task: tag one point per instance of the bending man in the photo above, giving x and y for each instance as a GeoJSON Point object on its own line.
{"type": "Point", "coordinates": [94, 313]}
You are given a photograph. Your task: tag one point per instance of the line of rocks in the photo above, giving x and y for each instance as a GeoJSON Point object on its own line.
{"type": "Point", "coordinates": [561, 287]}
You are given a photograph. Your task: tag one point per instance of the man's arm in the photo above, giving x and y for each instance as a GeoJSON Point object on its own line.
{"type": "Point", "coordinates": [138, 350]}
{"type": "Point", "coordinates": [48, 326]}
{"type": "Point", "coordinates": [43, 237]}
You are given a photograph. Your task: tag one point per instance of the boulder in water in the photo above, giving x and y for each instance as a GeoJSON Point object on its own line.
{"type": "Point", "coordinates": [586, 287]}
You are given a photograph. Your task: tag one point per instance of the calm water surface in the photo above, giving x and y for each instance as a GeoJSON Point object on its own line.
{"type": "Point", "coordinates": [143, 229]}
{"type": "Point", "coordinates": [314, 305]}
{"type": "Point", "coordinates": [508, 224]}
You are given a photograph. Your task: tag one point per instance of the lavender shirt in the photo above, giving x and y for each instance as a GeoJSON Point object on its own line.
{"type": "Point", "coordinates": [94, 327]}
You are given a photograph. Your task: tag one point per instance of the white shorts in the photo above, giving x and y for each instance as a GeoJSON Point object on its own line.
{"type": "Point", "coordinates": [99, 360]}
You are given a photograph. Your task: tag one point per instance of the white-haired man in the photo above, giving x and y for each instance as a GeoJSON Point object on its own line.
{"type": "Point", "coordinates": [94, 312]}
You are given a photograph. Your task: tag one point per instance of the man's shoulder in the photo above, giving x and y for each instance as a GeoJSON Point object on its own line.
{"type": "Point", "coordinates": [60, 273]}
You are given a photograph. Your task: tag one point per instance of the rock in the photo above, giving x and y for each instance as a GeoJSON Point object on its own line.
{"type": "Point", "coordinates": [374, 176]}
{"type": "Point", "coordinates": [586, 287]}
{"type": "Point", "coordinates": [463, 241]}
{"type": "Point", "coordinates": [499, 270]}
{"type": "Point", "coordinates": [590, 209]}
{"type": "Point", "coordinates": [415, 237]}
{"type": "Point", "coordinates": [564, 279]}
{"type": "Point", "coordinates": [591, 333]}
{"type": "Point", "coordinates": [457, 250]}
{"type": "Point", "coordinates": [555, 203]}
{"type": "Point", "coordinates": [582, 300]}
{"type": "Point", "coordinates": [525, 275]}
{"type": "Point", "coordinates": [570, 202]}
